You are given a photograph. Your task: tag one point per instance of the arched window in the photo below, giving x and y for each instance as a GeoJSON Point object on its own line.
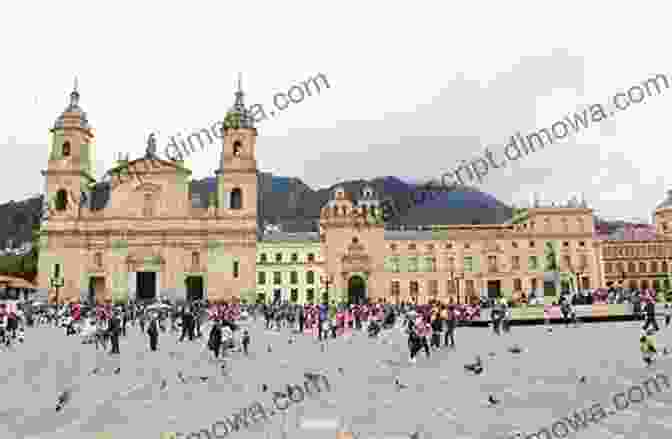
{"type": "Point", "coordinates": [654, 267]}
{"type": "Point", "coordinates": [195, 260]}
{"type": "Point", "coordinates": [607, 267]}
{"type": "Point", "coordinates": [631, 267]}
{"type": "Point", "coordinates": [237, 148]}
{"type": "Point", "coordinates": [98, 259]}
{"type": "Point", "coordinates": [66, 149]}
{"type": "Point", "coordinates": [663, 267]}
{"type": "Point", "coordinates": [61, 199]}
{"type": "Point", "coordinates": [642, 267]}
{"type": "Point", "coordinates": [236, 199]}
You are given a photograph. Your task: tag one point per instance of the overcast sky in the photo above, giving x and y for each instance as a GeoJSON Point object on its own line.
{"type": "Point", "coordinates": [415, 88]}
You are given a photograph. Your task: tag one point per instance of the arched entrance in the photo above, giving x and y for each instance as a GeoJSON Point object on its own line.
{"type": "Point", "coordinates": [356, 290]}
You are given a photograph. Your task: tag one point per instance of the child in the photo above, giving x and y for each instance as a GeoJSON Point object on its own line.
{"type": "Point", "coordinates": [646, 345]}
{"type": "Point", "coordinates": [246, 340]}
{"type": "Point", "coordinates": [668, 315]}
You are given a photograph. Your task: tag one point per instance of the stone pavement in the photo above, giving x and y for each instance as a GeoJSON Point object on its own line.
{"type": "Point", "coordinates": [535, 388]}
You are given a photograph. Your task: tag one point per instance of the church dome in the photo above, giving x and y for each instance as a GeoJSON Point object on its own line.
{"type": "Point", "coordinates": [667, 202]}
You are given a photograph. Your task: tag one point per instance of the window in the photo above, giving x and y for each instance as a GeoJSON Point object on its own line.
{"type": "Point", "coordinates": [567, 261]}
{"type": "Point", "coordinates": [355, 240]}
{"type": "Point", "coordinates": [431, 263]}
{"type": "Point", "coordinates": [262, 278]}
{"type": "Point", "coordinates": [395, 288]}
{"type": "Point", "coordinates": [411, 246]}
{"type": "Point", "coordinates": [295, 257]}
{"type": "Point", "coordinates": [311, 257]}
{"type": "Point", "coordinates": [515, 262]}
{"type": "Point", "coordinates": [237, 147]}
{"type": "Point", "coordinates": [262, 258]}
{"type": "Point", "coordinates": [531, 244]}
{"type": "Point", "coordinates": [654, 267]}
{"type": "Point", "coordinates": [533, 263]}
{"type": "Point", "coordinates": [294, 295]}
{"type": "Point", "coordinates": [620, 267]}
{"type": "Point", "coordinates": [451, 264]}
{"type": "Point", "coordinates": [195, 260]}
{"type": "Point", "coordinates": [632, 267]}
{"type": "Point", "coordinates": [393, 247]}
{"type": "Point", "coordinates": [517, 285]}
{"type": "Point", "coordinates": [414, 288]}
{"type": "Point", "coordinates": [98, 259]}
{"type": "Point", "coordinates": [468, 263]}
{"type": "Point", "coordinates": [277, 278]}
{"type": "Point", "coordinates": [642, 267]}
{"type": "Point", "coordinates": [294, 277]}
{"type": "Point", "coordinates": [395, 264]}
{"type": "Point", "coordinates": [582, 243]}
{"type": "Point", "coordinates": [236, 269]}
{"type": "Point", "coordinates": [412, 264]}
{"type": "Point", "coordinates": [310, 295]}
{"type": "Point", "coordinates": [61, 200]}
{"type": "Point", "coordinates": [148, 209]}
{"type": "Point", "coordinates": [467, 245]}
{"type": "Point", "coordinates": [565, 244]}
{"type": "Point", "coordinates": [236, 201]}
{"type": "Point", "coordinates": [450, 286]}
{"type": "Point", "coordinates": [583, 262]}
{"type": "Point", "coordinates": [663, 267]}
{"type": "Point", "coordinates": [430, 247]}
{"type": "Point", "coordinates": [66, 149]}
{"type": "Point", "coordinates": [470, 286]}
{"type": "Point", "coordinates": [514, 244]}
{"type": "Point", "coordinates": [310, 277]}
{"type": "Point", "coordinates": [434, 287]}
{"type": "Point", "coordinates": [449, 246]}
{"type": "Point", "coordinates": [278, 258]}
{"type": "Point", "coordinates": [608, 267]}
{"type": "Point", "coordinates": [492, 263]}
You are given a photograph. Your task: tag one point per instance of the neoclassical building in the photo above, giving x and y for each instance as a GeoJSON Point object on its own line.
{"type": "Point", "coordinates": [155, 236]}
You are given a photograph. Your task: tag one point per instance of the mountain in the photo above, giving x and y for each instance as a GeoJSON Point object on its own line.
{"type": "Point", "coordinates": [296, 206]}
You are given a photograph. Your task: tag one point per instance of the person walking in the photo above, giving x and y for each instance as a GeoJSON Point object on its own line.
{"type": "Point", "coordinates": [115, 331]}
{"type": "Point", "coordinates": [650, 309]}
{"type": "Point", "coordinates": [451, 323]}
{"type": "Point", "coordinates": [215, 339]}
{"type": "Point", "coordinates": [246, 341]}
{"type": "Point", "coordinates": [153, 332]}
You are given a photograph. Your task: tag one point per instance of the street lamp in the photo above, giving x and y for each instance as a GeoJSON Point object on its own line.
{"type": "Point", "coordinates": [57, 282]}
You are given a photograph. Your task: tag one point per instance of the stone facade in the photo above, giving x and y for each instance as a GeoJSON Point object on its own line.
{"type": "Point", "coordinates": [144, 238]}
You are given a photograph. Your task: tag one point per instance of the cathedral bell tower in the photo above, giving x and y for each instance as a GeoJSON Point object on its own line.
{"type": "Point", "coordinates": [237, 173]}
{"type": "Point", "coordinates": [71, 156]}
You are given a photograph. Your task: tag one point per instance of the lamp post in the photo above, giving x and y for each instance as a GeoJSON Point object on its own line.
{"type": "Point", "coordinates": [57, 282]}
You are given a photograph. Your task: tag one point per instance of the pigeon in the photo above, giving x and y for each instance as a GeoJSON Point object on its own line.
{"type": "Point", "coordinates": [95, 371]}
{"type": "Point", "coordinates": [269, 349]}
{"type": "Point", "coordinates": [164, 384]}
{"type": "Point", "coordinates": [415, 435]}
{"type": "Point", "coordinates": [492, 400]}
{"type": "Point", "coordinates": [582, 380]}
{"type": "Point", "coordinates": [181, 377]}
{"type": "Point", "coordinates": [399, 385]}
{"type": "Point", "coordinates": [476, 368]}
{"type": "Point", "coordinates": [117, 370]}
{"type": "Point", "coordinates": [63, 399]}
{"type": "Point", "coordinates": [666, 351]}
{"type": "Point", "coordinates": [204, 379]}
{"type": "Point", "coordinates": [290, 341]}
{"type": "Point", "coordinates": [341, 371]}
{"type": "Point", "coordinates": [264, 388]}
{"type": "Point", "coordinates": [515, 349]}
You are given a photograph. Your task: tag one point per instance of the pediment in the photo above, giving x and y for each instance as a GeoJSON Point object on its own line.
{"type": "Point", "coordinates": [147, 187]}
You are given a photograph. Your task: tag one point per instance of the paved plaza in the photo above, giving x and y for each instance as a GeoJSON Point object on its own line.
{"type": "Point", "coordinates": [535, 387]}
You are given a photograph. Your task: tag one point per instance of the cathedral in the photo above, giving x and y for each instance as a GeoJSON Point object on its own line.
{"type": "Point", "coordinates": [154, 236]}
{"type": "Point", "coordinates": [145, 238]}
